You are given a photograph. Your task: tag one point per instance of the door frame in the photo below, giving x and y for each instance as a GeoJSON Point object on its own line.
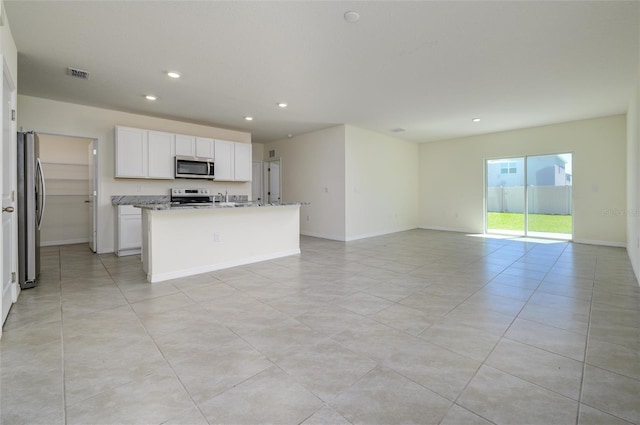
{"type": "Point", "coordinates": [97, 169]}
{"type": "Point", "coordinates": [525, 232]}
{"type": "Point", "coordinates": [267, 178]}
{"type": "Point", "coordinates": [9, 174]}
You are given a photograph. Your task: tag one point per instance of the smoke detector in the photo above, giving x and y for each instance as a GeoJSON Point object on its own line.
{"type": "Point", "coordinates": [78, 73]}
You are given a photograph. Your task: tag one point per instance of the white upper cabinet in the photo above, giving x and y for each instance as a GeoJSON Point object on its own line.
{"type": "Point", "coordinates": [144, 154]}
{"type": "Point", "coordinates": [185, 145]}
{"type": "Point", "coordinates": [205, 148]}
{"type": "Point", "coordinates": [131, 152]}
{"type": "Point", "coordinates": [242, 162]}
{"type": "Point", "coordinates": [149, 154]}
{"type": "Point", "coordinates": [224, 160]}
{"type": "Point", "coordinates": [161, 151]}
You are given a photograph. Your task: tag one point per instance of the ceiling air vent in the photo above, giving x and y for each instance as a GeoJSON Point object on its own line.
{"type": "Point", "coordinates": [78, 73]}
{"type": "Point", "coordinates": [397, 130]}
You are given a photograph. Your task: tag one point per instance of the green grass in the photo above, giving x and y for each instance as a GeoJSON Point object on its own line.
{"type": "Point", "coordinates": [537, 222]}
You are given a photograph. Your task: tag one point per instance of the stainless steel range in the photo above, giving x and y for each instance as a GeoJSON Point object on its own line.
{"type": "Point", "coordinates": [187, 197]}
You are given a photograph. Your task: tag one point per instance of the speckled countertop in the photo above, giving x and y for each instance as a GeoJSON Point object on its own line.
{"type": "Point", "coordinates": [239, 205]}
{"type": "Point", "coordinates": [140, 199]}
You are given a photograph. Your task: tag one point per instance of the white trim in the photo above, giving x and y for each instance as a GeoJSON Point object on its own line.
{"type": "Point", "coordinates": [323, 236]}
{"type": "Point", "coordinates": [601, 243]}
{"type": "Point", "coordinates": [449, 229]}
{"type": "Point", "coordinates": [65, 242]}
{"type": "Point", "coordinates": [373, 235]}
{"type": "Point", "coordinates": [219, 266]}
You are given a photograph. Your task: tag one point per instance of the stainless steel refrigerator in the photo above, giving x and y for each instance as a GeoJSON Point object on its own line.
{"type": "Point", "coordinates": [31, 203]}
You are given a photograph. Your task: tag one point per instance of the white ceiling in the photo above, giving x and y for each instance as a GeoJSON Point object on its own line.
{"type": "Point", "coordinates": [428, 67]}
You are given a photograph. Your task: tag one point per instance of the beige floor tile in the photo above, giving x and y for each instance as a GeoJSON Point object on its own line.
{"type": "Point", "coordinates": [154, 398]}
{"type": "Point", "coordinates": [385, 397]}
{"type": "Point", "coordinates": [329, 320]}
{"type": "Point", "coordinates": [438, 369]}
{"type": "Point", "coordinates": [590, 416]}
{"type": "Point", "coordinates": [461, 339]}
{"type": "Point", "coordinates": [326, 368]}
{"type": "Point", "coordinates": [363, 303]}
{"type": "Point", "coordinates": [505, 399]}
{"type": "Point", "coordinates": [269, 397]}
{"type": "Point", "coordinates": [460, 416]}
{"type": "Point", "coordinates": [374, 340]}
{"type": "Point", "coordinates": [614, 358]}
{"type": "Point", "coordinates": [326, 416]}
{"type": "Point", "coordinates": [566, 320]}
{"type": "Point", "coordinates": [406, 319]}
{"type": "Point", "coordinates": [208, 373]}
{"type": "Point", "coordinates": [556, 340]}
{"type": "Point", "coordinates": [612, 393]}
{"type": "Point", "coordinates": [551, 371]}
{"type": "Point", "coordinates": [201, 349]}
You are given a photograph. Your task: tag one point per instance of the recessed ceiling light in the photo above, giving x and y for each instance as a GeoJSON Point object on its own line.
{"type": "Point", "coordinates": [351, 16]}
{"type": "Point", "coordinates": [150, 97]}
{"type": "Point", "coordinates": [476, 120]}
{"type": "Point", "coordinates": [173, 74]}
{"type": "Point", "coordinates": [282, 104]}
{"type": "Point", "coordinates": [248, 118]}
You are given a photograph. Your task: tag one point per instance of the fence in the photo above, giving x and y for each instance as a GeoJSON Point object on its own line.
{"type": "Point", "coordinates": [542, 199]}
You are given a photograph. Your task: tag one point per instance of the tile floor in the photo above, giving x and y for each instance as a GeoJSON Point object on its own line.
{"type": "Point", "coordinates": [416, 327]}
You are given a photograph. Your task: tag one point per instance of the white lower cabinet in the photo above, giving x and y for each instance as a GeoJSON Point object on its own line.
{"type": "Point", "coordinates": [128, 230]}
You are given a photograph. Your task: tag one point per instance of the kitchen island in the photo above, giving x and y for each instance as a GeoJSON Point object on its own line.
{"type": "Point", "coordinates": [184, 241]}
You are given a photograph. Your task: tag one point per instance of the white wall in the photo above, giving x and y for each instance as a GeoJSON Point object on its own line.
{"type": "Point", "coordinates": [313, 170]}
{"type": "Point", "coordinates": [633, 179]}
{"type": "Point", "coordinates": [49, 116]}
{"type": "Point", "coordinates": [381, 184]}
{"type": "Point", "coordinates": [452, 176]}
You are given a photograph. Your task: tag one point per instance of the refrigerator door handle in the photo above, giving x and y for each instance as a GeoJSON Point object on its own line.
{"type": "Point", "coordinates": [40, 175]}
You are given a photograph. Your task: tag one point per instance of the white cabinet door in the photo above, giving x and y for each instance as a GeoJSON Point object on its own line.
{"type": "Point", "coordinates": [131, 152]}
{"type": "Point", "coordinates": [129, 231]}
{"type": "Point", "coordinates": [185, 145]}
{"type": "Point", "coordinates": [242, 162]}
{"type": "Point", "coordinates": [204, 147]}
{"type": "Point", "coordinates": [160, 154]}
{"type": "Point", "coordinates": [224, 163]}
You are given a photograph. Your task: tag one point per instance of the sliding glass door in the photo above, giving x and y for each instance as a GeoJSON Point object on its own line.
{"type": "Point", "coordinates": [530, 196]}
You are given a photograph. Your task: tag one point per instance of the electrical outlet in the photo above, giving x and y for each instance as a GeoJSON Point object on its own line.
{"type": "Point", "coordinates": [216, 237]}
{"type": "Point", "coordinates": [307, 218]}
{"type": "Point", "coordinates": [140, 189]}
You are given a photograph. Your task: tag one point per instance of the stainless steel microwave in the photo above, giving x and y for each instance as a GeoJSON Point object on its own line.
{"type": "Point", "coordinates": [193, 167]}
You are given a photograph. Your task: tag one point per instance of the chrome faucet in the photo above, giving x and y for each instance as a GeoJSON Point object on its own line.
{"type": "Point", "coordinates": [225, 197]}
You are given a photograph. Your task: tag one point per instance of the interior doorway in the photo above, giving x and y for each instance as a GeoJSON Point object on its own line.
{"type": "Point", "coordinates": [530, 196]}
{"type": "Point", "coordinates": [272, 180]}
{"type": "Point", "coordinates": [69, 169]}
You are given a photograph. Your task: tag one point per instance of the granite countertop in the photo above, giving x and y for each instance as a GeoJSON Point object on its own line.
{"type": "Point", "coordinates": [140, 199]}
{"type": "Point", "coordinates": [238, 205]}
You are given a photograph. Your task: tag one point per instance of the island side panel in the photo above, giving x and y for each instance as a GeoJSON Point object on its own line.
{"type": "Point", "coordinates": [184, 242]}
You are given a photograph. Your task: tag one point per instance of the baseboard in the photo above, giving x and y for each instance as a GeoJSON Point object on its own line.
{"type": "Point", "coordinates": [449, 229]}
{"type": "Point", "coordinates": [373, 235]}
{"type": "Point", "coordinates": [64, 242]}
{"type": "Point", "coordinates": [323, 236]}
{"type": "Point", "coordinates": [601, 243]}
{"type": "Point", "coordinates": [219, 266]}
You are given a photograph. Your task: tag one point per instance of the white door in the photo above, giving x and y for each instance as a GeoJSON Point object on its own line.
{"type": "Point", "coordinates": [93, 221]}
{"type": "Point", "coordinates": [9, 215]}
{"type": "Point", "coordinates": [257, 188]}
{"type": "Point", "coordinates": [273, 191]}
